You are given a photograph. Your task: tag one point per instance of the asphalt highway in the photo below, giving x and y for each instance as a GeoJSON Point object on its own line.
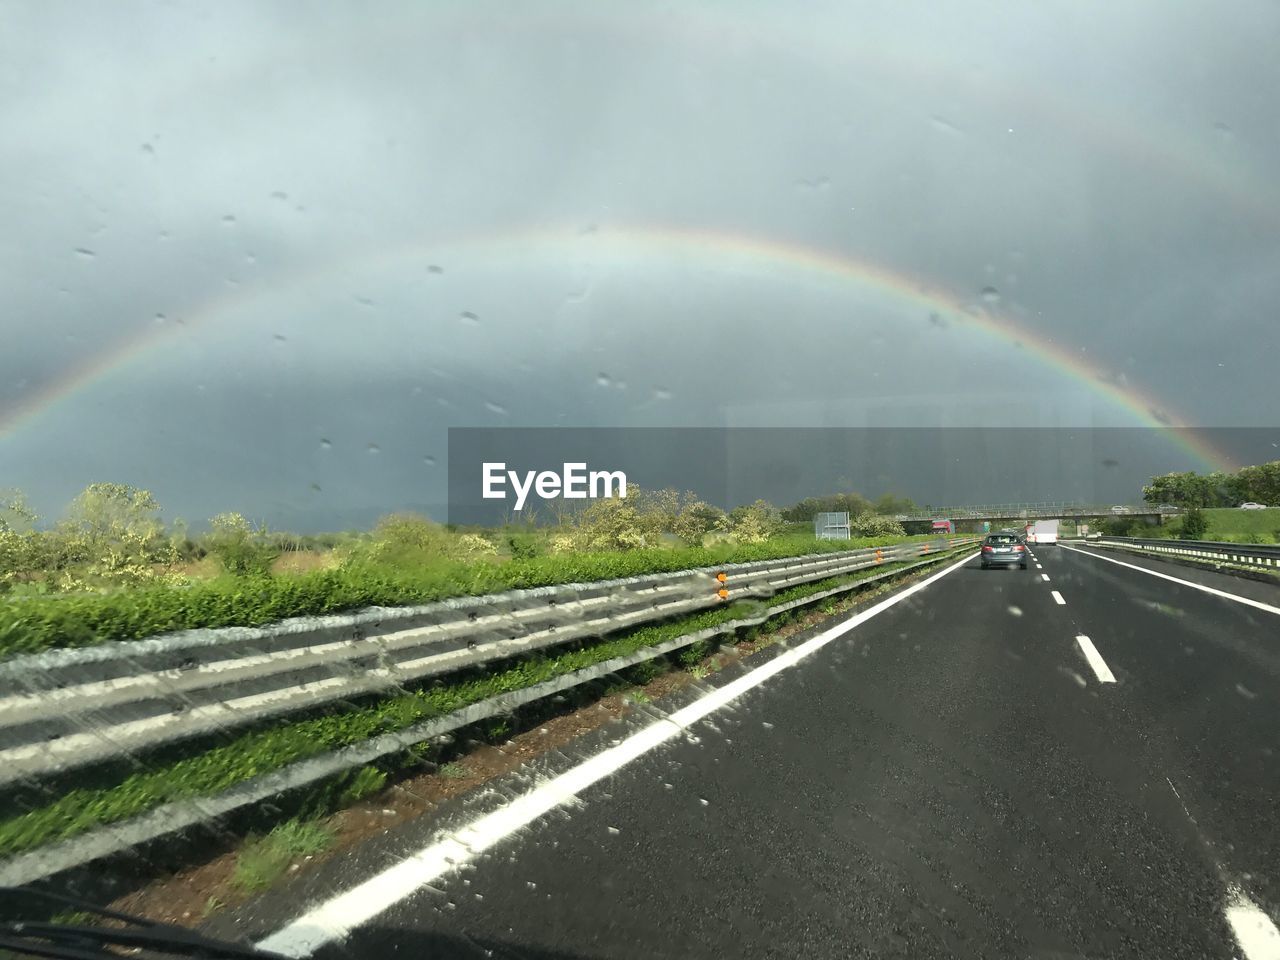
{"type": "Point", "coordinates": [1076, 760]}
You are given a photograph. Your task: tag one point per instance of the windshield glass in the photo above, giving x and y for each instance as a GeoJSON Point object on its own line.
{"type": "Point", "coordinates": [582, 479]}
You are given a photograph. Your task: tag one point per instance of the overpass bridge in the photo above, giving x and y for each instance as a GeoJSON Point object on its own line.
{"type": "Point", "coordinates": [1052, 510]}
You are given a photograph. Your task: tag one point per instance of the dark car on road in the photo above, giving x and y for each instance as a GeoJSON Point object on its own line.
{"type": "Point", "coordinates": [1003, 550]}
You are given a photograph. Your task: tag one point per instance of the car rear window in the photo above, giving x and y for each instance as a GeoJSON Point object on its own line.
{"type": "Point", "coordinates": [1004, 539]}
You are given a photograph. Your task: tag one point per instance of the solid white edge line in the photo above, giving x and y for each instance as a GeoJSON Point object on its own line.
{"type": "Point", "coordinates": [335, 918]}
{"type": "Point", "coordinates": [1254, 930]}
{"type": "Point", "coordinates": [1057, 598]}
{"type": "Point", "coordinates": [1100, 668]}
{"type": "Point", "coordinates": [1258, 604]}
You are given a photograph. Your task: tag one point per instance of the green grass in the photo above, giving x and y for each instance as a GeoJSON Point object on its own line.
{"type": "Point", "coordinates": [1235, 525]}
{"type": "Point", "coordinates": [263, 860]}
{"type": "Point", "coordinates": [453, 771]}
{"type": "Point", "coordinates": [257, 752]}
{"type": "Point", "coordinates": [1226, 524]}
{"type": "Point", "coordinates": [31, 624]}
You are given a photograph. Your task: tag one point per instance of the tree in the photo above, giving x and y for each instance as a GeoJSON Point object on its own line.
{"type": "Point", "coordinates": [109, 512]}
{"type": "Point", "coordinates": [16, 516]}
{"type": "Point", "coordinates": [888, 505]}
{"type": "Point", "coordinates": [1194, 524]}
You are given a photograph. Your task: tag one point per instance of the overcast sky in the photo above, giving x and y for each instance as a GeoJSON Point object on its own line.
{"type": "Point", "coordinates": [260, 256]}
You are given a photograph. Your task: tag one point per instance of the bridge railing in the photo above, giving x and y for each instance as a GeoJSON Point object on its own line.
{"type": "Point", "coordinates": [1059, 509]}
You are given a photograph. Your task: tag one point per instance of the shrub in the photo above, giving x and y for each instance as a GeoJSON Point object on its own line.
{"type": "Point", "coordinates": [242, 551]}
{"type": "Point", "coordinates": [696, 519]}
{"type": "Point", "coordinates": [755, 523]}
{"type": "Point", "coordinates": [1194, 524]}
{"type": "Point", "coordinates": [875, 525]}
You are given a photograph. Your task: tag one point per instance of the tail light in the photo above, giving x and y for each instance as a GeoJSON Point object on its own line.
{"type": "Point", "coordinates": [1020, 548]}
{"type": "Point", "coordinates": [986, 548]}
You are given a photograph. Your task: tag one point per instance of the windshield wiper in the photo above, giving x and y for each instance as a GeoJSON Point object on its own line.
{"type": "Point", "coordinates": [80, 941]}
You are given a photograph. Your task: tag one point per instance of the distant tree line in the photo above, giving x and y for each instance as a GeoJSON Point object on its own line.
{"type": "Point", "coordinates": [854, 504]}
{"type": "Point", "coordinates": [1259, 484]}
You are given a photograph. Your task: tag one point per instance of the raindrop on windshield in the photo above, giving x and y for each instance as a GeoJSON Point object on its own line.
{"type": "Point", "coordinates": [990, 294]}
{"type": "Point", "coordinates": [1016, 611]}
{"type": "Point", "coordinates": [325, 444]}
{"type": "Point", "coordinates": [373, 448]}
{"type": "Point", "coordinates": [495, 408]}
{"type": "Point", "coordinates": [429, 460]}
{"type": "Point", "coordinates": [160, 318]}
{"type": "Point", "coordinates": [85, 252]}
{"type": "Point", "coordinates": [280, 338]}
{"type": "Point", "coordinates": [434, 268]}
{"type": "Point", "coordinates": [229, 219]}
{"type": "Point", "coordinates": [468, 317]}
{"type": "Point", "coordinates": [602, 380]}
{"type": "Point", "coordinates": [662, 393]}
{"type": "Point", "coordinates": [614, 831]}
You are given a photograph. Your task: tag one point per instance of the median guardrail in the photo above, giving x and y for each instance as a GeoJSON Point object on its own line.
{"type": "Point", "coordinates": [177, 817]}
{"type": "Point", "coordinates": [65, 709]}
{"type": "Point", "coordinates": [1242, 554]}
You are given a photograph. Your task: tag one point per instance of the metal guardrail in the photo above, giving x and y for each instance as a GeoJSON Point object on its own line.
{"type": "Point", "coordinates": [176, 817]}
{"type": "Point", "coordinates": [67, 709]}
{"type": "Point", "coordinates": [1244, 554]}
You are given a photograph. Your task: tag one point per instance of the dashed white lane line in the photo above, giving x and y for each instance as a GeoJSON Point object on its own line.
{"type": "Point", "coordinates": [1044, 577]}
{"type": "Point", "coordinates": [1257, 604]}
{"type": "Point", "coordinates": [1254, 930]}
{"type": "Point", "coordinates": [1039, 566]}
{"type": "Point", "coordinates": [1057, 598]}
{"type": "Point", "coordinates": [1100, 668]}
{"type": "Point", "coordinates": [333, 919]}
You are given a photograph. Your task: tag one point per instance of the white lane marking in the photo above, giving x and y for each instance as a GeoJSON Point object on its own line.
{"type": "Point", "coordinates": [1258, 604]}
{"type": "Point", "coordinates": [1045, 577]}
{"type": "Point", "coordinates": [1057, 598]}
{"type": "Point", "coordinates": [1100, 668]}
{"type": "Point", "coordinates": [1039, 566]}
{"type": "Point", "coordinates": [1255, 931]}
{"type": "Point", "coordinates": [335, 918]}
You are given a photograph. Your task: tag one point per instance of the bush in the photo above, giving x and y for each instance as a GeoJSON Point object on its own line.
{"type": "Point", "coordinates": [1119, 526]}
{"type": "Point", "coordinates": [1194, 524]}
{"type": "Point", "coordinates": [755, 523]}
{"type": "Point", "coordinates": [875, 525]}
{"type": "Point", "coordinates": [242, 551]}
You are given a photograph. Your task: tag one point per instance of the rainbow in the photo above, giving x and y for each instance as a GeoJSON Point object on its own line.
{"type": "Point", "coordinates": [626, 246]}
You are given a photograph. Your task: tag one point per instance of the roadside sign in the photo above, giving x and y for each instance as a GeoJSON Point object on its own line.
{"type": "Point", "coordinates": [986, 526]}
{"type": "Point", "coordinates": [1082, 528]}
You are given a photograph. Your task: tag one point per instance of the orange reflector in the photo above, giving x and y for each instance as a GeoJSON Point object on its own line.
{"type": "Point", "coordinates": [722, 577]}
{"type": "Point", "coordinates": [722, 593]}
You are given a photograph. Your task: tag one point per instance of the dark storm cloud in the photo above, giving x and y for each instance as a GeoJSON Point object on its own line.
{"type": "Point", "coordinates": [1106, 173]}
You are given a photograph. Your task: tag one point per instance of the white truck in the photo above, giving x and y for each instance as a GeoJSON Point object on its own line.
{"type": "Point", "coordinates": [1042, 531]}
